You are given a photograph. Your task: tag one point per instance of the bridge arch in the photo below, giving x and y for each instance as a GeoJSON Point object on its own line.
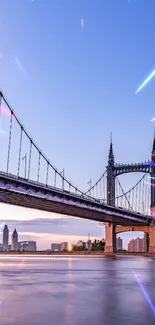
{"type": "Point", "coordinates": [128, 169]}
{"type": "Point", "coordinates": [141, 245]}
{"type": "Point", "coordinates": [122, 229]}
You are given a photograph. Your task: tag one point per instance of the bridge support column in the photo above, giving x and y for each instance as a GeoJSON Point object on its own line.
{"type": "Point", "coordinates": [152, 239]}
{"type": "Point", "coordinates": [110, 238]}
{"type": "Point", "coordinates": [146, 242]}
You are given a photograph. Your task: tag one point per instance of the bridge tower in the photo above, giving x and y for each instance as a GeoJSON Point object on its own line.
{"type": "Point", "coordinates": [110, 176]}
{"type": "Point", "coordinates": [152, 207]}
{"type": "Point", "coordinates": [110, 236]}
{"type": "Point", "coordinates": [153, 178]}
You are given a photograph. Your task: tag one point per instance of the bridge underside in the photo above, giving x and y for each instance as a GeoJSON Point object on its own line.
{"type": "Point", "coordinates": [29, 201]}
{"type": "Point", "coordinates": [111, 231]}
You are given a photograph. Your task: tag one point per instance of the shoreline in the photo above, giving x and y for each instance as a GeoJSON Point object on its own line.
{"type": "Point", "coordinates": [83, 253]}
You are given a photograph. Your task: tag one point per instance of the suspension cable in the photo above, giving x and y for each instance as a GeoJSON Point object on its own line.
{"type": "Point", "coordinates": [124, 194]}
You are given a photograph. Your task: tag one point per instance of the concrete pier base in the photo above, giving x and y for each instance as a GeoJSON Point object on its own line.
{"type": "Point", "coordinates": [110, 238]}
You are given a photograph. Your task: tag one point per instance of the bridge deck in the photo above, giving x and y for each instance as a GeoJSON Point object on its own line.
{"type": "Point", "coordinates": [29, 194]}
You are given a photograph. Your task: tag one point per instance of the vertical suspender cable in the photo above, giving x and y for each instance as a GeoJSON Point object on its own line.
{"type": "Point", "coordinates": [38, 167]}
{"type": "Point", "coordinates": [47, 173]}
{"type": "Point", "coordinates": [30, 159]}
{"type": "Point", "coordinates": [9, 145]}
{"type": "Point", "coordinates": [20, 148]}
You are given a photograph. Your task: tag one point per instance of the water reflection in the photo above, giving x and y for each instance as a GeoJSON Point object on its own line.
{"type": "Point", "coordinates": [71, 295]}
{"type": "Point", "coordinates": [75, 291]}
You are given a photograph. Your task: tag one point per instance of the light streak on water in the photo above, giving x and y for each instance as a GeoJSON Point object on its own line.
{"type": "Point", "coordinates": [144, 292]}
{"type": "Point", "coordinates": [147, 80]}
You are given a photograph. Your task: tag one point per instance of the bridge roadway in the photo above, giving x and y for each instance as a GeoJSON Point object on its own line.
{"type": "Point", "coordinates": [16, 190]}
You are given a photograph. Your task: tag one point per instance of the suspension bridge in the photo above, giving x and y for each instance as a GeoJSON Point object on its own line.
{"type": "Point", "coordinates": [40, 185]}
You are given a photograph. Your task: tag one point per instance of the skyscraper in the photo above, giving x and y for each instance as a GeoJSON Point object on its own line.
{"type": "Point", "coordinates": [14, 244]}
{"type": "Point", "coordinates": [119, 243]}
{"type": "Point", "coordinates": [5, 236]}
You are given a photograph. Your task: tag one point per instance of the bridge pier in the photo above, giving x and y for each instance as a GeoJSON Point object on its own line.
{"type": "Point", "coordinates": [111, 231]}
{"type": "Point", "coordinates": [152, 239]}
{"type": "Point", "coordinates": [110, 238]}
{"type": "Point", "coordinates": [146, 242]}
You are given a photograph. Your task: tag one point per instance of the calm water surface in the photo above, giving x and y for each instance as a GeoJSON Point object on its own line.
{"type": "Point", "coordinates": [77, 290]}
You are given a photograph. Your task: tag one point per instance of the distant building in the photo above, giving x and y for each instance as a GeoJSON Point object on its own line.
{"type": "Point", "coordinates": [89, 244]}
{"type": "Point", "coordinates": [9, 247]}
{"type": "Point", "coordinates": [80, 243]}
{"type": "Point", "coordinates": [14, 244]}
{"type": "Point", "coordinates": [1, 248]}
{"type": "Point", "coordinates": [55, 247]}
{"type": "Point", "coordinates": [131, 246]}
{"type": "Point", "coordinates": [28, 246]}
{"type": "Point", "coordinates": [119, 243]}
{"type": "Point", "coordinates": [5, 236]}
{"type": "Point", "coordinates": [64, 246]}
{"type": "Point", "coordinates": [137, 245]}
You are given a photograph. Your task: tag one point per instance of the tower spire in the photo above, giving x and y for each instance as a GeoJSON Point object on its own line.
{"type": "Point", "coordinates": [110, 176]}
{"type": "Point", "coordinates": [153, 148]}
{"type": "Point", "coordinates": [110, 137]}
{"type": "Point", "coordinates": [111, 155]}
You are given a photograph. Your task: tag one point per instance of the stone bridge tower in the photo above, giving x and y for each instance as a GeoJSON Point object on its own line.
{"type": "Point", "coordinates": [152, 174]}
{"type": "Point", "coordinates": [110, 176]}
{"type": "Point", "coordinates": [114, 170]}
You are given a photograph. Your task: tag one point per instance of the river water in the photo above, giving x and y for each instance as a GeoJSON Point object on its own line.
{"type": "Point", "coordinates": [77, 290]}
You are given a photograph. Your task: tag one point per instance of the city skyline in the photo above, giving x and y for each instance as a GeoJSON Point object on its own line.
{"type": "Point", "coordinates": [84, 93]}
{"type": "Point", "coordinates": [11, 236]}
{"type": "Point", "coordinates": [44, 230]}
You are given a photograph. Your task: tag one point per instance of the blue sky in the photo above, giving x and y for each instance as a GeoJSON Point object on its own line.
{"type": "Point", "coordinates": [78, 84]}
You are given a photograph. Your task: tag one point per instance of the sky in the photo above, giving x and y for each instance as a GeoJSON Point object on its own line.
{"type": "Point", "coordinates": [70, 70]}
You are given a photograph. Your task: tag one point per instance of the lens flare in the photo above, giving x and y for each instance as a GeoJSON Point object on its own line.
{"type": "Point", "coordinates": [2, 224]}
{"type": "Point", "coordinates": [153, 185]}
{"type": "Point", "coordinates": [144, 292]}
{"type": "Point", "coordinates": [149, 163]}
{"type": "Point", "coordinates": [20, 66]}
{"type": "Point", "coordinates": [147, 80]}
{"type": "Point", "coordinates": [5, 111]}
{"type": "Point", "coordinates": [3, 132]}
{"type": "Point", "coordinates": [82, 23]}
